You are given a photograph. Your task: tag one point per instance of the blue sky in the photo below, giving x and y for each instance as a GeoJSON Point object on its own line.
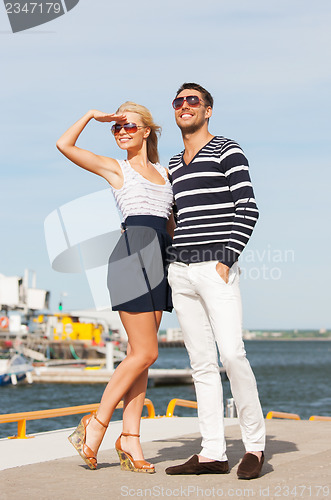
{"type": "Point", "coordinates": [267, 66]}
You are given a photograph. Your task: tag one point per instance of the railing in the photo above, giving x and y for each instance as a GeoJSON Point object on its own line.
{"type": "Point", "coordinates": [179, 402]}
{"type": "Point", "coordinates": [21, 418]}
{"type": "Point", "coordinates": [318, 417]}
{"type": "Point", "coordinates": [280, 414]}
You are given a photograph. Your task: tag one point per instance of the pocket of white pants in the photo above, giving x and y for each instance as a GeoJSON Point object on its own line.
{"type": "Point", "coordinates": [232, 273]}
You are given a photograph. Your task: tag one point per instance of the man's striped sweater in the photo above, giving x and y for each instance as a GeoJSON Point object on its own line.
{"type": "Point", "coordinates": [214, 198]}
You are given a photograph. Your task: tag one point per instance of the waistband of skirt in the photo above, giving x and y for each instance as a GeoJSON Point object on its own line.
{"type": "Point", "coordinates": [159, 223]}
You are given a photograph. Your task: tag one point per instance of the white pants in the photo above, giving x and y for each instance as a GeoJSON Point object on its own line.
{"type": "Point", "coordinates": [209, 311]}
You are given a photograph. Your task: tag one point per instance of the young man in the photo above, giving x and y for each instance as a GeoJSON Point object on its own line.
{"type": "Point", "coordinates": [216, 214]}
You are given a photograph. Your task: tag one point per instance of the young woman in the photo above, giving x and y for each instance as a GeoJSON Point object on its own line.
{"type": "Point", "coordinates": [143, 193]}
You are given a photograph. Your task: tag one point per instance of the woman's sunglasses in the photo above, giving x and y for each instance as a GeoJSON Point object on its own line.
{"type": "Point", "coordinates": [130, 128]}
{"type": "Point", "coordinates": [192, 100]}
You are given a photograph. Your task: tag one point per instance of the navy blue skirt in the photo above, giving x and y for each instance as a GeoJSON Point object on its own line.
{"type": "Point", "coordinates": [138, 266]}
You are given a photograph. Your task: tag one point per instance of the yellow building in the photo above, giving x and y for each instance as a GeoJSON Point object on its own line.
{"type": "Point", "coordinates": [69, 328]}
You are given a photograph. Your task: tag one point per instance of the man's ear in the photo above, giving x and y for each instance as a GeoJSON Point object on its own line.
{"type": "Point", "coordinates": [209, 111]}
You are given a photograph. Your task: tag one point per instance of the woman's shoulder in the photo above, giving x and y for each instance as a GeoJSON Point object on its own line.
{"type": "Point", "coordinates": [121, 163]}
{"type": "Point", "coordinates": [124, 166]}
{"type": "Point", "coordinates": [163, 170]}
{"type": "Point", "coordinates": [111, 164]}
{"type": "Point", "coordinates": [115, 174]}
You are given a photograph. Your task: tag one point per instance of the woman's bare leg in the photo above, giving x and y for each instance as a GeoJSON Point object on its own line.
{"type": "Point", "coordinates": [142, 336]}
{"type": "Point", "coordinates": [133, 407]}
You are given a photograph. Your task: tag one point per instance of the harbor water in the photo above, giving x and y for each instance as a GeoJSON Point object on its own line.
{"type": "Point", "coordinates": [292, 376]}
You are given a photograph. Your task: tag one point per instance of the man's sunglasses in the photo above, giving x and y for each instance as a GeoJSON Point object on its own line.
{"type": "Point", "coordinates": [130, 128]}
{"type": "Point", "coordinates": [192, 100]}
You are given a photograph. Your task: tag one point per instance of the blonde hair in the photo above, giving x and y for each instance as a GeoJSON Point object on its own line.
{"type": "Point", "coordinates": [147, 119]}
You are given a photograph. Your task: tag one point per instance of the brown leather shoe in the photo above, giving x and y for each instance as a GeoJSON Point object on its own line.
{"type": "Point", "coordinates": [193, 466]}
{"type": "Point", "coordinates": [250, 466]}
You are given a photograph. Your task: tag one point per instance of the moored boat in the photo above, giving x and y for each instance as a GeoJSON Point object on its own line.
{"type": "Point", "coordinates": [14, 369]}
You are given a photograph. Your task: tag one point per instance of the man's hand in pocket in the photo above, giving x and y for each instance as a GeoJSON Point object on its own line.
{"type": "Point", "coordinates": [223, 271]}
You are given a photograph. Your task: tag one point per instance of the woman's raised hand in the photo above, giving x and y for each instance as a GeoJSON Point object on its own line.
{"type": "Point", "coordinates": [108, 117]}
{"type": "Point", "coordinates": [106, 167]}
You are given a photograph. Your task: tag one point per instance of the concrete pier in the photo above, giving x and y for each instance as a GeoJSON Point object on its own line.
{"type": "Point", "coordinates": [156, 376]}
{"type": "Point", "coordinates": [297, 465]}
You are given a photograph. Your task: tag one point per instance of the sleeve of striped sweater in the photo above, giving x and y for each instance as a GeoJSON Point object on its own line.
{"type": "Point", "coordinates": [234, 165]}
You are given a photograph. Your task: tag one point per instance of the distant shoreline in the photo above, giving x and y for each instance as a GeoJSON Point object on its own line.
{"type": "Point", "coordinates": [289, 340]}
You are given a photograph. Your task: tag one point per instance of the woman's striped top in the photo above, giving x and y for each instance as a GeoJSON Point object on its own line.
{"type": "Point", "coordinates": [139, 196]}
{"type": "Point", "coordinates": [216, 209]}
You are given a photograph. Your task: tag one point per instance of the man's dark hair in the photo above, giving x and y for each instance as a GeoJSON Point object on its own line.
{"type": "Point", "coordinates": [207, 97]}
